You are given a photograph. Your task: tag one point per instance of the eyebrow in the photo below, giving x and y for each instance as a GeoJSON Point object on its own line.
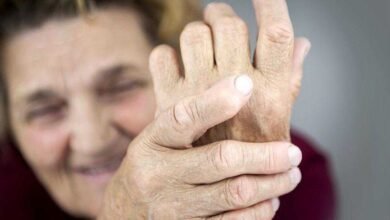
{"type": "Point", "coordinates": [41, 95]}
{"type": "Point", "coordinates": [114, 72]}
{"type": "Point", "coordinates": [111, 73]}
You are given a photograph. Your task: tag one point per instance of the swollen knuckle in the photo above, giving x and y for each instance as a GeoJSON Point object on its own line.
{"type": "Point", "coordinates": [182, 118]}
{"type": "Point", "coordinates": [162, 50]}
{"type": "Point", "coordinates": [238, 193]}
{"type": "Point", "coordinates": [194, 32]}
{"type": "Point", "coordinates": [159, 57]}
{"type": "Point", "coordinates": [231, 25]}
{"type": "Point", "coordinates": [196, 27]}
{"type": "Point", "coordinates": [185, 114]}
{"type": "Point", "coordinates": [297, 86]}
{"type": "Point", "coordinates": [211, 6]}
{"type": "Point", "coordinates": [279, 33]}
{"type": "Point", "coordinates": [216, 6]}
{"type": "Point", "coordinates": [225, 155]}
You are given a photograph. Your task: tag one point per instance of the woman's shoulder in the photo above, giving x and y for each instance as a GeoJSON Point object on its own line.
{"type": "Point", "coordinates": [22, 196]}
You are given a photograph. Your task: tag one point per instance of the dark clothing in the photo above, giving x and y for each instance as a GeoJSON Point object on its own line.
{"type": "Point", "coordinates": [23, 197]}
{"type": "Point", "coordinates": [315, 197]}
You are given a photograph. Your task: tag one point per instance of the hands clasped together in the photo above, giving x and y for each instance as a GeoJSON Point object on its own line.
{"type": "Point", "coordinates": [237, 113]}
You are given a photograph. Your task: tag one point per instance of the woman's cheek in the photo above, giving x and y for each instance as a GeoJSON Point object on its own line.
{"type": "Point", "coordinates": [45, 146]}
{"type": "Point", "coordinates": [133, 114]}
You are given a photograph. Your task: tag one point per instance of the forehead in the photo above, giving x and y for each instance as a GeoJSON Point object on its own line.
{"type": "Point", "coordinates": [73, 49]}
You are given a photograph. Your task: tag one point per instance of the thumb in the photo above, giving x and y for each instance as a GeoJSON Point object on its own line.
{"type": "Point", "coordinates": [183, 123]}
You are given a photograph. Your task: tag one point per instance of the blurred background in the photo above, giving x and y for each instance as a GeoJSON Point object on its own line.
{"type": "Point", "coordinates": [344, 105]}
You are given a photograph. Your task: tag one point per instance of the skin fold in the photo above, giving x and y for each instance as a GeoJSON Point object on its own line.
{"type": "Point", "coordinates": [219, 47]}
{"type": "Point", "coordinates": [109, 140]}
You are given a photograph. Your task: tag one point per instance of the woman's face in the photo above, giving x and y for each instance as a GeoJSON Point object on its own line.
{"type": "Point", "coordinates": [79, 91]}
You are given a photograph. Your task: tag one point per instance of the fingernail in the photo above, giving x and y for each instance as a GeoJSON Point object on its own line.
{"type": "Point", "coordinates": [243, 84]}
{"type": "Point", "coordinates": [275, 204]}
{"type": "Point", "coordinates": [295, 175]}
{"type": "Point", "coordinates": [295, 155]}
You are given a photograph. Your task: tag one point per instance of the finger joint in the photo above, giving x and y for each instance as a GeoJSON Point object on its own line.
{"type": "Point", "coordinates": [279, 33]}
{"type": "Point", "coordinates": [238, 192]}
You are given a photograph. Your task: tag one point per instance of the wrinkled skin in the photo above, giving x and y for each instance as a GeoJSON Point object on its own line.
{"type": "Point", "coordinates": [198, 99]}
{"type": "Point", "coordinates": [223, 37]}
{"type": "Point", "coordinates": [161, 179]}
{"type": "Point", "coordinates": [87, 120]}
{"type": "Point", "coordinates": [79, 93]}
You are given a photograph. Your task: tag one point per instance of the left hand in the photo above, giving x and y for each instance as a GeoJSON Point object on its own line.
{"type": "Point", "coordinates": [160, 179]}
{"type": "Point", "coordinates": [276, 71]}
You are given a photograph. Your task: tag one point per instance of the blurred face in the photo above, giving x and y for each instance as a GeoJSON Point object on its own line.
{"type": "Point", "coordinates": [79, 91]}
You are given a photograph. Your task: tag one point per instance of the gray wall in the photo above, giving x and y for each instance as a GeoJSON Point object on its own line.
{"type": "Point", "coordinates": [345, 102]}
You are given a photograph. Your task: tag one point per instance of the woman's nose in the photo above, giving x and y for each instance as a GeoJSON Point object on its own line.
{"type": "Point", "coordinates": [91, 130]}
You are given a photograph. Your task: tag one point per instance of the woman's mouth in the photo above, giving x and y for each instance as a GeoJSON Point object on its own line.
{"type": "Point", "coordinates": [99, 172]}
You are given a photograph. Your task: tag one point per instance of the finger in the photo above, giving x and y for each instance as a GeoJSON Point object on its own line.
{"type": "Point", "coordinates": [242, 191]}
{"type": "Point", "coordinates": [230, 35]}
{"type": "Point", "coordinates": [225, 159]}
{"type": "Point", "coordinates": [264, 210]}
{"type": "Point", "coordinates": [301, 49]}
{"type": "Point", "coordinates": [184, 122]}
{"type": "Point", "coordinates": [197, 50]}
{"type": "Point", "coordinates": [164, 67]}
{"type": "Point", "coordinates": [276, 37]}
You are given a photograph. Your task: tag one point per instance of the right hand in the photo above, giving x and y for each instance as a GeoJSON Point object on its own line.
{"type": "Point", "coordinates": [219, 47]}
{"type": "Point", "coordinates": [163, 177]}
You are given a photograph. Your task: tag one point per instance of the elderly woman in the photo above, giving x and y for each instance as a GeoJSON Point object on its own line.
{"type": "Point", "coordinates": [98, 124]}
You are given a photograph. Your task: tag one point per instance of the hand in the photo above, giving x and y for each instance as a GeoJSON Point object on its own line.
{"type": "Point", "coordinates": [220, 48]}
{"type": "Point", "coordinates": [161, 178]}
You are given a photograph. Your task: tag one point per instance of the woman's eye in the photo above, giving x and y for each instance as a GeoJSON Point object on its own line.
{"type": "Point", "coordinates": [47, 112]}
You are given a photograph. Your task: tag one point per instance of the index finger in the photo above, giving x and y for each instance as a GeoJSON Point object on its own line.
{"type": "Point", "coordinates": [275, 42]}
{"type": "Point", "coordinates": [225, 159]}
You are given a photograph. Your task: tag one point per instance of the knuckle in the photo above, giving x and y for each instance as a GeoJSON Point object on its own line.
{"type": "Point", "coordinates": [231, 25]}
{"type": "Point", "coordinates": [269, 159]}
{"type": "Point", "coordinates": [187, 119]}
{"type": "Point", "coordinates": [185, 114]}
{"type": "Point", "coordinates": [195, 32]}
{"type": "Point", "coordinates": [296, 88]}
{"type": "Point", "coordinates": [217, 6]}
{"type": "Point", "coordinates": [279, 33]}
{"type": "Point", "coordinates": [297, 85]}
{"type": "Point", "coordinates": [160, 53]}
{"type": "Point", "coordinates": [227, 156]}
{"type": "Point", "coordinates": [221, 156]}
{"type": "Point", "coordinates": [238, 192]}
